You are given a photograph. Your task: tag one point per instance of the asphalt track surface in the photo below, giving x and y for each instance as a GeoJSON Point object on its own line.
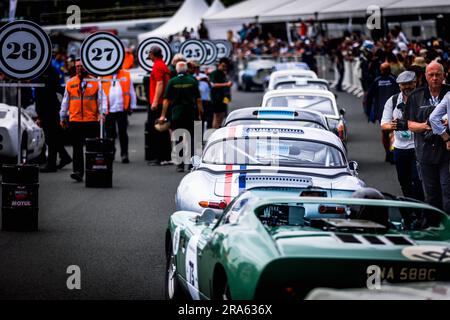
{"type": "Point", "coordinates": [116, 236]}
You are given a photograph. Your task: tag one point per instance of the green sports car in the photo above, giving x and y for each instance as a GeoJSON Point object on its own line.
{"type": "Point", "coordinates": [278, 243]}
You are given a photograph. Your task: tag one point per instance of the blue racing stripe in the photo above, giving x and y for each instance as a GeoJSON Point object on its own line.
{"type": "Point", "coordinates": [242, 181]}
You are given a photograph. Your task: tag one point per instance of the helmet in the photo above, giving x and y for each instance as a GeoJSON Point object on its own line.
{"type": "Point", "coordinates": [376, 214]}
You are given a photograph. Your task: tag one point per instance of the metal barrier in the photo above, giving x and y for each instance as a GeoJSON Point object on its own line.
{"type": "Point", "coordinates": [352, 70]}
{"type": "Point", "coordinates": [348, 77]}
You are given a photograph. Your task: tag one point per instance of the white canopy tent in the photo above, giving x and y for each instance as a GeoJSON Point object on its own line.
{"type": "Point", "coordinates": [296, 10]}
{"type": "Point", "coordinates": [417, 7]}
{"type": "Point", "coordinates": [284, 10]}
{"type": "Point", "coordinates": [216, 7]}
{"type": "Point", "coordinates": [358, 8]}
{"type": "Point", "coordinates": [353, 8]}
{"type": "Point", "coordinates": [189, 15]}
{"type": "Point", "coordinates": [233, 17]}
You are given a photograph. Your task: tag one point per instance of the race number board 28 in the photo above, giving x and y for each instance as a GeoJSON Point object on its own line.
{"type": "Point", "coordinates": [224, 48]}
{"type": "Point", "coordinates": [144, 49]}
{"type": "Point", "coordinates": [194, 50]}
{"type": "Point", "coordinates": [211, 52]}
{"type": "Point", "coordinates": [102, 54]}
{"type": "Point", "coordinates": [25, 50]}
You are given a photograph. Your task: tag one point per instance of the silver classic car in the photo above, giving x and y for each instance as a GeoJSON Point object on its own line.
{"type": "Point", "coordinates": [238, 158]}
{"type": "Point", "coordinates": [32, 135]}
{"type": "Point", "coordinates": [310, 99]}
{"type": "Point", "coordinates": [289, 75]}
{"type": "Point", "coordinates": [254, 73]}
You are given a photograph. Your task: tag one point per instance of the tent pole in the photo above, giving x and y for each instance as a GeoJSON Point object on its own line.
{"type": "Point", "coordinates": [288, 32]}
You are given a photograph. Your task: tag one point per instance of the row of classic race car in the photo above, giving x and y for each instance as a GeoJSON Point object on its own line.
{"type": "Point", "coordinates": [32, 135]}
{"type": "Point", "coordinates": [274, 209]}
{"type": "Point", "coordinates": [281, 147]}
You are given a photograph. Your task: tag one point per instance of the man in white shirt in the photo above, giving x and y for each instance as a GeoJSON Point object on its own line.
{"type": "Point", "coordinates": [439, 120]}
{"type": "Point", "coordinates": [393, 119]}
{"type": "Point", "coordinates": [121, 102]}
{"type": "Point", "coordinates": [79, 111]}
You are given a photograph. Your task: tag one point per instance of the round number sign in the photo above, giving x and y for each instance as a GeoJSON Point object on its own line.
{"type": "Point", "coordinates": [224, 48]}
{"type": "Point", "coordinates": [25, 50]}
{"type": "Point", "coordinates": [102, 54]}
{"type": "Point", "coordinates": [144, 49]}
{"type": "Point", "coordinates": [194, 50]}
{"type": "Point", "coordinates": [211, 52]}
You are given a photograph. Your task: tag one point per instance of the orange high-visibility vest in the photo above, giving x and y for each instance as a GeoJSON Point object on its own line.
{"type": "Point", "coordinates": [128, 62]}
{"type": "Point", "coordinates": [125, 82]}
{"type": "Point", "coordinates": [83, 106]}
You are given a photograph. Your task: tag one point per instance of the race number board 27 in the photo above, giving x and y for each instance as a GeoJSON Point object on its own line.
{"type": "Point", "coordinates": [144, 50]}
{"type": "Point", "coordinates": [194, 50]}
{"type": "Point", "coordinates": [25, 50]}
{"type": "Point", "coordinates": [102, 54]}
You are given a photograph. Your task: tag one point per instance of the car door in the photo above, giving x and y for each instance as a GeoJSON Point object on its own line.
{"type": "Point", "coordinates": [210, 245]}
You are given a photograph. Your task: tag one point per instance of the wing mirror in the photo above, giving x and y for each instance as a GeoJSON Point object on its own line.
{"type": "Point", "coordinates": [207, 216]}
{"type": "Point", "coordinates": [196, 161]}
{"type": "Point", "coordinates": [342, 111]}
{"type": "Point", "coordinates": [353, 166]}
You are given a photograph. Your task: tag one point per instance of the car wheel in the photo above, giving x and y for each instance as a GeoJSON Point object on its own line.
{"type": "Point", "coordinates": [247, 87]}
{"type": "Point", "coordinates": [173, 290]}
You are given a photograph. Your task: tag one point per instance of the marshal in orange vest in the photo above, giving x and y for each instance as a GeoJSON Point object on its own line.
{"type": "Point", "coordinates": [125, 82]}
{"type": "Point", "coordinates": [83, 106]}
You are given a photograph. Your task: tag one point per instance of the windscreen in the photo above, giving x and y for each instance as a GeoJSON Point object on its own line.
{"type": "Point", "coordinates": [315, 103]}
{"type": "Point", "coordinates": [293, 85]}
{"type": "Point", "coordinates": [351, 217]}
{"type": "Point", "coordinates": [282, 152]}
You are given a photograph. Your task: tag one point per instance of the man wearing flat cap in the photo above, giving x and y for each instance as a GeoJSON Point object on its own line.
{"type": "Point", "coordinates": [404, 155]}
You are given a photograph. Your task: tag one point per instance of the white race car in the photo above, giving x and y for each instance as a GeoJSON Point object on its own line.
{"type": "Point", "coordinates": [255, 73]}
{"type": "Point", "coordinates": [310, 99]}
{"type": "Point", "coordinates": [290, 74]}
{"type": "Point", "coordinates": [242, 157]}
{"type": "Point", "coordinates": [32, 135]}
